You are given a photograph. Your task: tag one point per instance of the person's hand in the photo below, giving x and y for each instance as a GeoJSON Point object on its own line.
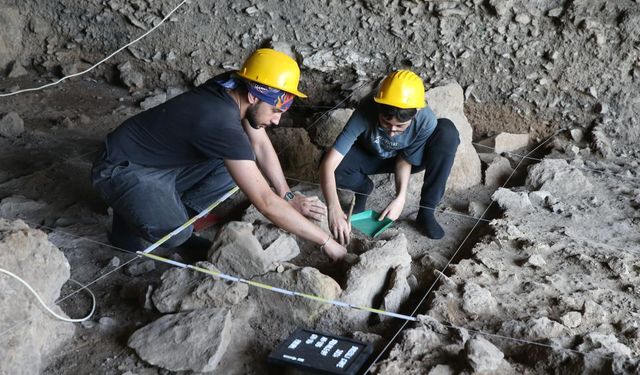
{"type": "Point", "coordinates": [334, 250]}
{"type": "Point", "coordinates": [339, 226]}
{"type": "Point", "coordinates": [310, 207]}
{"type": "Point", "coordinates": [393, 210]}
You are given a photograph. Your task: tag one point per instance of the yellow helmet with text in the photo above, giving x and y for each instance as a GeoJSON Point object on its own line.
{"type": "Point", "coordinates": [274, 69]}
{"type": "Point", "coordinates": [401, 89]}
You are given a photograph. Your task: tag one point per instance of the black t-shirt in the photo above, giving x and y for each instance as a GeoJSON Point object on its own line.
{"type": "Point", "coordinates": [196, 126]}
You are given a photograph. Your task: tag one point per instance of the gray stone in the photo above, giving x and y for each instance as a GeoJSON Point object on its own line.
{"type": "Point", "coordinates": [482, 355]}
{"type": "Point", "coordinates": [543, 328]}
{"type": "Point", "coordinates": [154, 100]}
{"type": "Point", "coordinates": [558, 178]}
{"type": "Point", "coordinates": [476, 209]}
{"type": "Point", "coordinates": [184, 289]}
{"type": "Point", "coordinates": [11, 125]}
{"type": "Point", "coordinates": [572, 319]}
{"type": "Point", "coordinates": [11, 37]}
{"type": "Point", "coordinates": [448, 102]}
{"type": "Point", "coordinates": [24, 345]}
{"type": "Point", "coordinates": [399, 291]}
{"type": "Point", "coordinates": [17, 206]}
{"type": "Point", "coordinates": [536, 260]}
{"type": "Point", "coordinates": [511, 201]}
{"type": "Point", "coordinates": [477, 300]}
{"type": "Point", "coordinates": [236, 250]}
{"type": "Point", "coordinates": [501, 7]}
{"type": "Point", "coordinates": [603, 344]}
{"type": "Point", "coordinates": [131, 78]}
{"type": "Point", "coordinates": [297, 310]}
{"type": "Point", "coordinates": [555, 12]}
{"type": "Point", "coordinates": [539, 198]}
{"type": "Point", "coordinates": [140, 267]}
{"type": "Point", "coordinates": [577, 134]}
{"type": "Point", "coordinates": [17, 70]}
{"type": "Point", "coordinates": [506, 142]}
{"type": "Point", "coordinates": [593, 314]}
{"type": "Point", "coordinates": [192, 341]}
{"type": "Point", "coordinates": [498, 172]}
{"type": "Point", "coordinates": [442, 370]}
{"type": "Point", "coordinates": [326, 130]}
{"type": "Point", "coordinates": [372, 270]}
{"type": "Point", "coordinates": [523, 18]}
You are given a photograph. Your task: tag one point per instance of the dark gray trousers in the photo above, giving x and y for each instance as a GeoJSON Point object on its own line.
{"type": "Point", "coordinates": [153, 201]}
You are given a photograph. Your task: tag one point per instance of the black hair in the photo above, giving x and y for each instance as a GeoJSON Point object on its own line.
{"type": "Point", "coordinates": [401, 114]}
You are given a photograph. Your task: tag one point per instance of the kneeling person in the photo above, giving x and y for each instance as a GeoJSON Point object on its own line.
{"type": "Point", "coordinates": [164, 164]}
{"type": "Point", "coordinates": [390, 132]}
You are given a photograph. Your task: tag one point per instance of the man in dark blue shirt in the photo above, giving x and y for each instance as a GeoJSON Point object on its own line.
{"type": "Point", "coordinates": [171, 161]}
{"type": "Point", "coordinates": [391, 132]}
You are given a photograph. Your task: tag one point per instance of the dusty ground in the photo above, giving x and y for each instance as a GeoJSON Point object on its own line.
{"type": "Point", "coordinates": [572, 65]}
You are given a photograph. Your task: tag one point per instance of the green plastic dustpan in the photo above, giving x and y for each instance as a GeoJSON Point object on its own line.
{"type": "Point", "coordinates": [367, 223]}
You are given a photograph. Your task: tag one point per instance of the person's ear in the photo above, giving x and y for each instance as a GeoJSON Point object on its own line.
{"type": "Point", "coordinates": [252, 98]}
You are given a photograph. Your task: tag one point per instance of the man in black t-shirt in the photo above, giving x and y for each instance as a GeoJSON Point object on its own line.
{"type": "Point", "coordinates": [169, 162]}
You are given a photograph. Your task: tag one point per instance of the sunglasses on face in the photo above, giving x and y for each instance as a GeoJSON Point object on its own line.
{"type": "Point", "coordinates": [400, 114]}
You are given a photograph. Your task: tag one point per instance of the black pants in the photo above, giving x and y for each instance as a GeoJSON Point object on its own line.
{"type": "Point", "coordinates": [439, 153]}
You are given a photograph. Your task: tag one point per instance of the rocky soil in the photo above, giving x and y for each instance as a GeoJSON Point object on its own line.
{"type": "Point", "coordinates": [544, 249]}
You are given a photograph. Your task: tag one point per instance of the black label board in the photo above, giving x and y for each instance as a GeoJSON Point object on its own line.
{"type": "Point", "coordinates": [321, 353]}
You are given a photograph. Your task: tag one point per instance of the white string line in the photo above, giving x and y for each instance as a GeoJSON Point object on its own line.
{"type": "Point", "coordinates": [571, 166]}
{"type": "Point", "coordinates": [101, 61]}
{"type": "Point", "coordinates": [49, 310]}
{"type": "Point", "coordinates": [410, 205]}
{"type": "Point", "coordinates": [440, 273]}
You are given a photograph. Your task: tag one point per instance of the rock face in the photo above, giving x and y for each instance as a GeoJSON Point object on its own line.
{"type": "Point", "coordinates": [555, 177]}
{"type": "Point", "coordinates": [238, 251]}
{"type": "Point", "coordinates": [193, 341]}
{"type": "Point", "coordinates": [482, 355]}
{"type": "Point", "coordinates": [27, 253]}
{"type": "Point", "coordinates": [448, 102]}
{"type": "Point", "coordinates": [299, 157]}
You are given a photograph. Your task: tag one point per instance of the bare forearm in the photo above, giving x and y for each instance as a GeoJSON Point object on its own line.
{"type": "Point", "coordinates": [269, 165]}
{"type": "Point", "coordinates": [328, 185]}
{"type": "Point", "coordinates": [402, 175]}
{"type": "Point", "coordinates": [286, 217]}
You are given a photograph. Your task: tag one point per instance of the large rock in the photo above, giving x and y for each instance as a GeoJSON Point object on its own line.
{"type": "Point", "coordinates": [11, 125]}
{"type": "Point", "coordinates": [559, 178]}
{"type": "Point", "coordinates": [24, 346]}
{"type": "Point", "coordinates": [483, 356]}
{"type": "Point", "coordinates": [11, 36]}
{"type": "Point", "coordinates": [448, 102]}
{"type": "Point", "coordinates": [477, 300]}
{"type": "Point", "coordinates": [505, 142]}
{"type": "Point", "coordinates": [373, 271]}
{"type": "Point", "coordinates": [193, 341]}
{"type": "Point", "coordinates": [327, 129]}
{"type": "Point", "coordinates": [238, 251]}
{"type": "Point", "coordinates": [498, 171]}
{"type": "Point", "coordinates": [298, 310]}
{"type": "Point", "coordinates": [184, 289]}
{"type": "Point", "coordinates": [299, 157]}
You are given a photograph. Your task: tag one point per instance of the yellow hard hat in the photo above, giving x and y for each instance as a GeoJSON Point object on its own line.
{"type": "Point", "coordinates": [401, 89]}
{"type": "Point", "coordinates": [274, 69]}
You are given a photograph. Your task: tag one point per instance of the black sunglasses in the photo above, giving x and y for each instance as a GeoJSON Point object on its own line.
{"type": "Point", "coordinates": [401, 114]}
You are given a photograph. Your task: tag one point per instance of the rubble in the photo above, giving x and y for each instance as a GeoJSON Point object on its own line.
{"type": "Point", "coordinates": [11, 125]}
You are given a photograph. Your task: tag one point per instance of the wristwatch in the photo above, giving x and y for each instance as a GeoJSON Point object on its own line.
{"type": "Point", "coordinates": [289, 196]}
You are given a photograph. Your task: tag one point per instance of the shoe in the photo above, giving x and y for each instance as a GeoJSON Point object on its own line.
{"type": "Point", "coordinates": [427, 223]}
{"type": "Point", "coordinates": [195, 249]}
